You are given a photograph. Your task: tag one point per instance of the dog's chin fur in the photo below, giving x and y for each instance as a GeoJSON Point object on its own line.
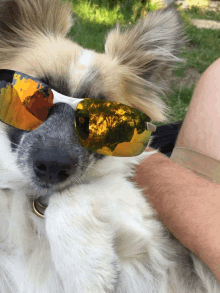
{"type": "Point", "coordinates": [99, 234]}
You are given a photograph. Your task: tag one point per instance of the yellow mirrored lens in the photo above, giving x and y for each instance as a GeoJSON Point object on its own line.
{"type": "Point", "coordinates": [110, 128]}
{"type": "Point", "coordinates": [24, 103]}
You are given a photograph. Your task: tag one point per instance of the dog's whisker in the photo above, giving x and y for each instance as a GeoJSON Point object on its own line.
{"type": "Point", "coordinates": [11, 142]}
{"type": "Point", "coordinates": [15, 144]}
{"type": "Point", "coordinates": [92, 167]}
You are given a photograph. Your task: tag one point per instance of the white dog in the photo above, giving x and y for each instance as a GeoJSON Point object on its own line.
{"type": "Point", "coordinates": [98, 233]}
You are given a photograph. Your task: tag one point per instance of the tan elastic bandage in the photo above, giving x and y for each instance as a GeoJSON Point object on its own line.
{"type": "Point", "coordinates": [199, 163]}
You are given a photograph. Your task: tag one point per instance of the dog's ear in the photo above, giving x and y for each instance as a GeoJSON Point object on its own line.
{"type": "Point", "coordinates": [146, 53]}
{"type": "Point", "coordinates": [22, 19]}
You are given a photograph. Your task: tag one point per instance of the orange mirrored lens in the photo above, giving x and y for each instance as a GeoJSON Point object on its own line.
{"type": "Point", "coordinates": [24, 102]}
{"type": "Point", "coordinates": [110, 128]}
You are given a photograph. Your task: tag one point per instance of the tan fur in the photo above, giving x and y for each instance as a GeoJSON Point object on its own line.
{"type": "Point", "coordinates": [133, 70]}
{"type": "Point", "coordinates": [145, 51]}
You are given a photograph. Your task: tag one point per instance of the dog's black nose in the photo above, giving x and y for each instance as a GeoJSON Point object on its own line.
{"type": "Point", "coordinates": [52, 165]}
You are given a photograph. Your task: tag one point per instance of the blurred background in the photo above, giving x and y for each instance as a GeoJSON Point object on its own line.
{"type": "Point", "coordinates": [201, 18]}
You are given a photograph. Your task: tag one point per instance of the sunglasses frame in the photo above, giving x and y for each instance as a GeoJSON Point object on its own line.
{"type": "Point", "coordinates": [56, 96]}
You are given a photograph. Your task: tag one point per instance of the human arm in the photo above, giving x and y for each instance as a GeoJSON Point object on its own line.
{"type": "Point", "coordinates": [189, 205]}
{"type": "Point", "coordinates": [186, 203]}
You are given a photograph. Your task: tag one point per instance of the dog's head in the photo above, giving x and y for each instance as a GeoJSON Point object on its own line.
{"type": "Point", "coordinates": [132, 71]}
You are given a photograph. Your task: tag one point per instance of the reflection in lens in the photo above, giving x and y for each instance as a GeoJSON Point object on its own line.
{"type": "Point", "coordinates": [111, 128]}
{"type": "Point", "coordinates": [24, 102]}
{"type": "Point", "coordinates": [39, 103]}
{"type": "Point", "coordinates": [82, 124]}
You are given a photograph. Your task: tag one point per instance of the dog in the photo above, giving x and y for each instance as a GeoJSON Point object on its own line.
{"type": "Point", "coordinates": [99, 234]}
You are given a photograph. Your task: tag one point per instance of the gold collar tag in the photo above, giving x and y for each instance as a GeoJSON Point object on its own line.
{"type": "Point", "coordinates": [38, 208]}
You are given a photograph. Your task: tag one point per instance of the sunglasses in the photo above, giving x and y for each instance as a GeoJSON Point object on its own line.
{"type": "Point", "coordinates": [105, 127]}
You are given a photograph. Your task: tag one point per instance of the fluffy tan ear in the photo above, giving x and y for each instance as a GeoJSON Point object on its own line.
{"type": "Point", "coordinates": [146, 53]}
{"type": "Point", "coordinates": [20, 20]}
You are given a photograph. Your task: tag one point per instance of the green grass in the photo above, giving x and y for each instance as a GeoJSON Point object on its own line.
{"type": "Point", "coordinates": [178, 101]}
{"type": "Point", "coordinates": [196, 12]}
{"type": "Point", "coordinates": [202, 49]}
{"type": "Point", "coordinates": [203, 45]}
{"type": "Point", "coordinates": [94, 18]}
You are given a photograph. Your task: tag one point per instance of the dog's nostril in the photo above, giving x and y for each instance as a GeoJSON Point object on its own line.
{"type": "Point", "coordinates": [41, 167]}
{"type": "Point", "coordinates": [52, 166]}
{"type": "Point", "coordinates": [63, 174]}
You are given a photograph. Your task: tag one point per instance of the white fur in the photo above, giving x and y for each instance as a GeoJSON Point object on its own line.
{"type": "Point", "coordinates": [101, 236]}
{"type": "Point", "coordinates": [85, 57]}
{"type": "Point", "coordinates": [78, 71]}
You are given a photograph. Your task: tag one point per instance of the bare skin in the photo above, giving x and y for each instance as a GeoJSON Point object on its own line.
{"type": "Point", "coordinates": [188, 204]}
